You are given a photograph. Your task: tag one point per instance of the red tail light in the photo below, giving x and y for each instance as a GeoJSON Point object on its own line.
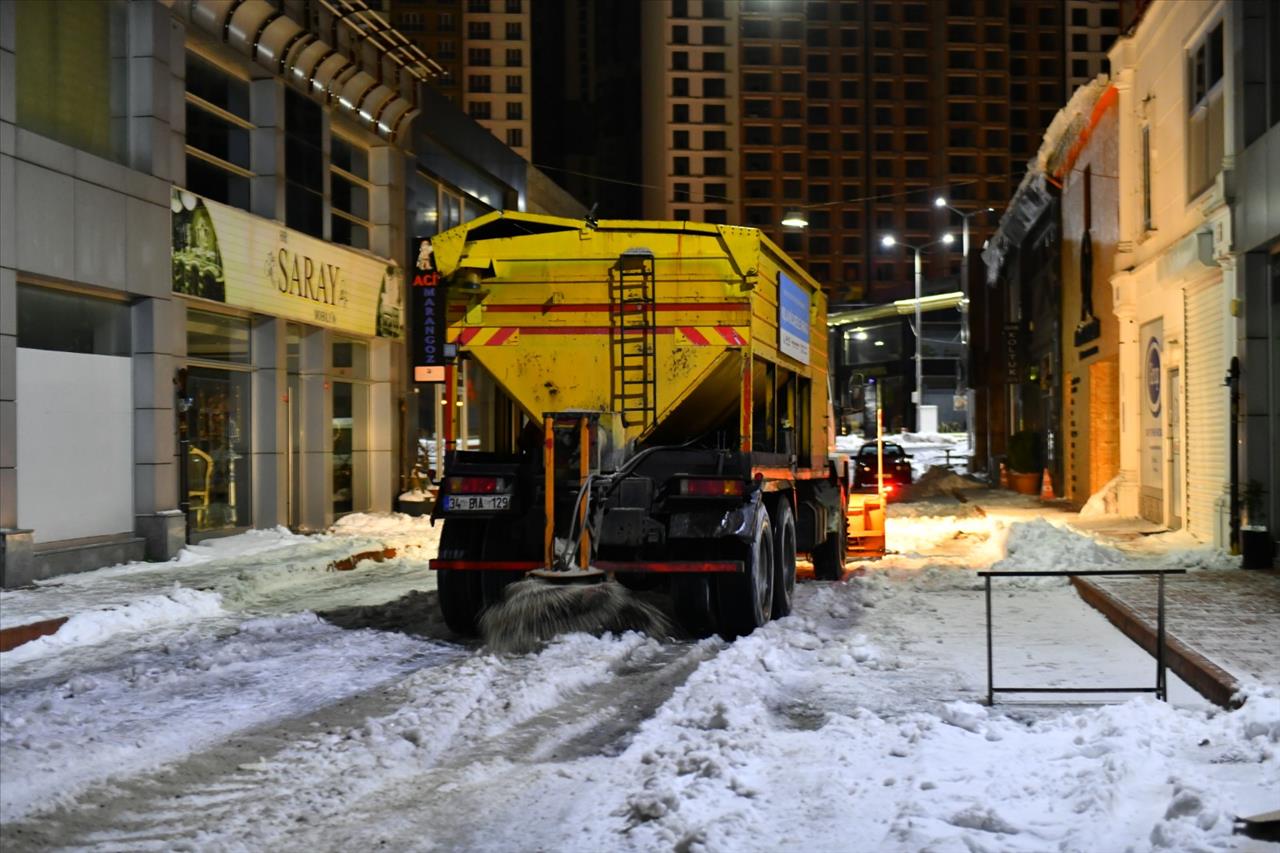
{"type": "Point", "coordinates": [474, 485]}
{"type": "Point", "coordinates": [712, 488]}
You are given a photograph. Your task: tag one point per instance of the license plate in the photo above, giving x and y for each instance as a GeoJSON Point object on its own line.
{"type": "Point", "coordinates": [477, 502]}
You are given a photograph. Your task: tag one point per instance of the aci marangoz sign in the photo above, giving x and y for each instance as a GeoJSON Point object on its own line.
{"type": "Point", "coordinates": [427, 316]}
{"type": "Point", "coordinates": [226, 255]}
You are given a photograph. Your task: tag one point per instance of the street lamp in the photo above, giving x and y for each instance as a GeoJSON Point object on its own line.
{"type": "Point", "coordinates": [941, 202]}
{"type": "Point", "coordinates": [888, 241]}
{"type": "Point", "coordinates": [795, 218]}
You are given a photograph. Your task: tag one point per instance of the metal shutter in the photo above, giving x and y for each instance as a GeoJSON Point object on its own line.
{"type": "Point", "coordinates": [1205, 367]}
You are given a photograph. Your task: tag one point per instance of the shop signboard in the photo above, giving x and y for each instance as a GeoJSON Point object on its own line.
{"type": "Point", "coordinates": [793, 319]}
{"type": "Point", "coordinates": [427, 316]}
{"type": "Point", "coordinates": [1151, 475]}
{"type": "Point", "coordinates": [227, 255]}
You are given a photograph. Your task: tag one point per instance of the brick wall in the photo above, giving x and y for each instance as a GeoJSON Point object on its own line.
{"type": "Point", "coordinates": [1104, 421]}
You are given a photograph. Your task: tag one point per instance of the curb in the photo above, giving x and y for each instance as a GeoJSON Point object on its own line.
{"type": "Point", "coordinates": [346, 564]}
{"type": "Point", "coordinates": [17, 635]}
{"type": "Point", "coordinates": [1209, 680]}
{"type": "Point", "coordinates": [11, 638]}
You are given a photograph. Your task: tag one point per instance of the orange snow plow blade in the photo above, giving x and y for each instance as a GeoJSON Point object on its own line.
{"type": "Point", "coordinates": [864, 526]}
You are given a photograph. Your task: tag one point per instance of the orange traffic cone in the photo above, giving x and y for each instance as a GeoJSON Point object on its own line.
{"type": "Point", "coordinates": [1046, 487]}
{"type": "Point", "coordinates": [1004, 476]}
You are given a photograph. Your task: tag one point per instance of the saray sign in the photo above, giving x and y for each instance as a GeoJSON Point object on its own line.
{"type": "Point", "coordinates": [226, 255]}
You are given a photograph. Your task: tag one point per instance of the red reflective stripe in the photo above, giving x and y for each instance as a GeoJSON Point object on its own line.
{"type": "Point", "coordinates": [485, 565]}
{"type": "Point", "coordinates": [604, 307]}
{"type": "Point", "coordinates": [669, 566]}
{"type": "Point", "coordinates": [694, 335]}
{"type": "Point", "coordinates": [583, 330]}
{"type": "Point", "coordinates": [730, 334]}
{"type": "Point", "coordinates": [467, 334]}
{"type": "Point", "coordinates": [501, 336]}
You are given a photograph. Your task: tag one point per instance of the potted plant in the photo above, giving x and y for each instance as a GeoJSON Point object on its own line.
{"type": "Point", "coordinates": [1025, 463]}
{"type": "Point", "coordinates": [1256, 547]}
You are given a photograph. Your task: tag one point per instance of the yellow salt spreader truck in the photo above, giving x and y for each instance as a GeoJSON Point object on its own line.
{"type": "Point", "coordinates": [658, 415]}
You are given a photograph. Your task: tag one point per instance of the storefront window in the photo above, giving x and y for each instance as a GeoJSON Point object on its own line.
{"type": "Point", "coordinates": [343, 457]}
{"type": "Point", "coordinates": [216, 423]}
{"type": "Point", "coordinates": [58, 320]}
{"type": "Point", "coordinates": [218, 451]}
{"type": "Point", "coordinates": [350, 426]}
{"type": "Point", "coordinates": [217, 337]}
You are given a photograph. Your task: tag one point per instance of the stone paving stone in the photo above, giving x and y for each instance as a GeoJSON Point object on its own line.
{"type": "Point", "coordinates": [1231, 617]}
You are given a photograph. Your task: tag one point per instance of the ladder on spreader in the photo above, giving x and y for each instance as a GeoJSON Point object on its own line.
{"type": "Point", "coordinates": [632, 338]}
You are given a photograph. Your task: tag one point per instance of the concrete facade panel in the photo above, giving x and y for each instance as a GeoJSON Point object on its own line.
{"type": "Point", "coordinates": [153, 386]}
{"type": "Point", "coordinates": [382, 489]}
{"type": "Point", "coordinates": [8, 301]}
{"type": "Point", "coordinates": [155, 487]}
{"type": "Point", "coordinates": [8, 97]}
{"type": "Point", "coordinates": [154, 441]}
{"type": "Point", "coordinates": [148, 188]}
{"type": "Point", "coordinates": [8, 213]}
{"type": "Point", "coordinates": [46, 152]}
{"type": "Point", "coordinates": [101, 236]}
{"type": "Point", "coordinates": [148, 267]}
{"type": "Point", "coordinates": [8, 427]}
{"type": "Point", "coordinates": [102, 172]}
{"type": "Point", "coordinates": [45, 216]}
{"type": "Point", "coordinates": [8, 497]}
{"type": "Point", "coordinates": [158, 326]}
{"type": "Point", "coordinates": [149, 87]}
{"type": "Point", "coordinates": [8, 371]}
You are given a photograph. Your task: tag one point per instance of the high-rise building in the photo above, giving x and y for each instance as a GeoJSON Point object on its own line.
{"type": "Point", "coordinates": [857, 113]}
{"type": "Point", "coordinates": [485, 49]}
{"type": "Point", "coordinates": [587, 96]}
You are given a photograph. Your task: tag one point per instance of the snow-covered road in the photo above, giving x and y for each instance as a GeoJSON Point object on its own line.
{"type": "Point", "coordinates": [235, 718]}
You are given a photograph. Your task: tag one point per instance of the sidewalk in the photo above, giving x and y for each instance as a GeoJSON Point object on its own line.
{"type": "Point", "coordinates": [1220, 626]}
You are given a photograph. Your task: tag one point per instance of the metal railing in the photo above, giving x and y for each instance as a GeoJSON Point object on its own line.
{"type": "Point", "coordinates": [1160, 688]}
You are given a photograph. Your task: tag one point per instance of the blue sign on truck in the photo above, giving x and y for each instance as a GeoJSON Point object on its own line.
{"type": "Point", "coordinates": [793, 319]}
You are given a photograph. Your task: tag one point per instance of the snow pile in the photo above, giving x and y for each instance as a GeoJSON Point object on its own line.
{"type": "Point", "coordinates": [229, 548]}
{"type": "Point", "coordinates": [148, 613]}
{"type": "Point", "coordinates": [939, 480]}
{"type": "Point", "coordinates": [1040, 546]}
{"type": "Point", "coordinates": [1104, 502]}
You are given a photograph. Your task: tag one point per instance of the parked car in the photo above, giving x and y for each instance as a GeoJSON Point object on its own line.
{"type": "Point", "coordinates": [897, 468]}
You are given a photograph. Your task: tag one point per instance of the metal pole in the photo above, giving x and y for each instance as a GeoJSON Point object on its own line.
{"type": "Point", "coordinates": [919, 351]}
{"type": "Point", "coordinates": [1233, 462]}
{"type": "Point", "coordinates": [964, 335]}
{"type": "Point", "coordinates": [990, 689]}
{"type": "Point", "coordinates": [1161, 691]}
{"type": "Point", "coordinates": [549, 503]}
{"type": "Point", "coordinates": [584, 471]}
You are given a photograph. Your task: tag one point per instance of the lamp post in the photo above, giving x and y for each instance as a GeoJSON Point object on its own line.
{"type": "Point", "coordinates": [941, 202]}
{"type": "Point", "coordinates": [888, 241]}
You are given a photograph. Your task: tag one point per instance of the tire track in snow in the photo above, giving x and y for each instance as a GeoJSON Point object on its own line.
{"type": "Point", "coordinates": [310, 780]}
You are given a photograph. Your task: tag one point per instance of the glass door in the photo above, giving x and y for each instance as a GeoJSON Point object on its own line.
{"type": "Point", "coordinates": [218, 457]}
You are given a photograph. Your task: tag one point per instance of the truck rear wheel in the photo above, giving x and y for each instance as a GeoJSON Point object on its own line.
{"type": "Point", "coordinates": [744, 601]}
{"type": "Point", "coordinates": [498, 545]}
{"type": "Point", "coordinates": [691, 599]}
{"type": "Point", "coordinates": [459, 590]}
{"type": "Point", "coordinates": [828, 558]}
{"type": "Point", "coordinates": [784, 558]}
